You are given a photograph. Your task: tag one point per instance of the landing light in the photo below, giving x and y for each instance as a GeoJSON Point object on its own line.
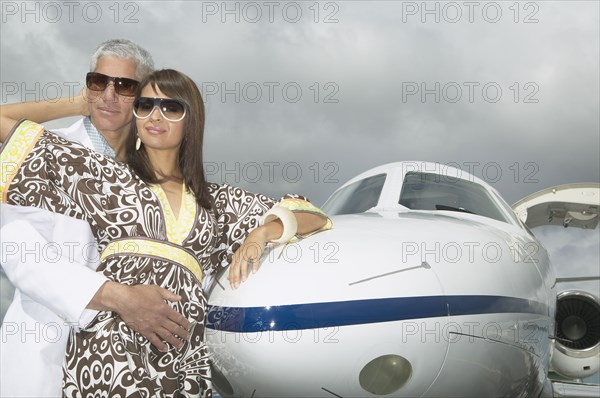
{"type": "Point", "coordinates": [385, 374]}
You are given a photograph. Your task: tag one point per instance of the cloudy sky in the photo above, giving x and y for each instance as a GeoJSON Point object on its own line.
{"type": "Point", "coordinates": [302, 96]}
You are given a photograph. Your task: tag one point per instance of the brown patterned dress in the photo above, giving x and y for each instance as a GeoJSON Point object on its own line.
{"type": "Point", "coordinates": [141, 242]}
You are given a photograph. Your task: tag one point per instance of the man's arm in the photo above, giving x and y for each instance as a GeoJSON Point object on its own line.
{"type": "Point", "coordinates": [6, 125]}
{"type": "Point", "coordinates": [51, 258]}
{"type": "Point", "coordinates": [41, 111]}
{"type": "Point", "coordinates": [44, 111]}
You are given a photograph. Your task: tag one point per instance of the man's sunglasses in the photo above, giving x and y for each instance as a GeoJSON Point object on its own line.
{"type": "Point", "coordinates": [123, 85]}
{"type": "Point", "coordinates": [172, 109]}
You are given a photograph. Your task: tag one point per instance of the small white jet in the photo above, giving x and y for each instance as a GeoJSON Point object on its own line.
{"type": "Point", "coordinates": [428, 285]}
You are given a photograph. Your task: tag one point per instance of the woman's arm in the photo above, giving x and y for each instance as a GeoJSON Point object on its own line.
{"type": "Point", "coordinates": [242, 239]}
{"type": "Point", "coordinates": [252, 249]}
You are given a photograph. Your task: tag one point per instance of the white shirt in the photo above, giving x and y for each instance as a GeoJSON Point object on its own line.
{"type": "Point", "coordinates": [50, 258]}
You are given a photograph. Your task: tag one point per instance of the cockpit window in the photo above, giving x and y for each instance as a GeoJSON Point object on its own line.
{"type": "Point", "coordinates": [509, 210]}
{"type": "Point", "coordinates": [427, 191]}
{"type": "Point", "coordinates": [357, 197]}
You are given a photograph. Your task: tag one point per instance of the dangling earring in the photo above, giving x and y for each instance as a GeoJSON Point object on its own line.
{"type": "Point", "coordinates": [138, 144]}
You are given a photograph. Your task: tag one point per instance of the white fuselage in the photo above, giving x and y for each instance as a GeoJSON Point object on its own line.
{"type": "Point", "coordinates": [465, 300]}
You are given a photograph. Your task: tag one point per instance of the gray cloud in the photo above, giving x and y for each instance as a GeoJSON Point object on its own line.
{"type": "Point", "coordinates": [361, 68]}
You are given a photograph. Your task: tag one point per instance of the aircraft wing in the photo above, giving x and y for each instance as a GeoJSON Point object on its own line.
{"type": "Point", "coordinates": [569, 205]}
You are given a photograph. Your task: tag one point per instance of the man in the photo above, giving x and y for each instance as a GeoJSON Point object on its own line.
{"type": "Point", "coordinates": [51, 258]}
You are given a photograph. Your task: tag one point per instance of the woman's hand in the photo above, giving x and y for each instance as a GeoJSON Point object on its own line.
{"type": "Point", "coordinates": [248, 254]}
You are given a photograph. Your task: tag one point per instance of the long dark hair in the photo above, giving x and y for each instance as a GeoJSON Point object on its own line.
{"type": "Point", "coordinates": [179, 86]}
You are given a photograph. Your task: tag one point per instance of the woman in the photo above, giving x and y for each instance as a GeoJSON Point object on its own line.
{"type": "Point", "coordinates": [157, 221]}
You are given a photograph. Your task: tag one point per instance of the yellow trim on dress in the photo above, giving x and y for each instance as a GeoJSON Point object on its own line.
{"type": "Point", "coordinates": [140, 246]}
{"type": "Point", "coordinates": [177, 228]}
{"type": "Point", "coordinates": [301, 205]}
{"type": "Point", "coordinates": [14, 152]}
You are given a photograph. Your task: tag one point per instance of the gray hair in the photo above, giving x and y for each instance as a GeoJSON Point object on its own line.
{"type": "Point", "coordinates": [123, 48]}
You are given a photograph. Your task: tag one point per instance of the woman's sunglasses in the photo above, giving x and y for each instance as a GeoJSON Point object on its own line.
{"type": "Point", "coordinates": [123, 85]}
{"type": "Point", "coordinates": [172, 109]}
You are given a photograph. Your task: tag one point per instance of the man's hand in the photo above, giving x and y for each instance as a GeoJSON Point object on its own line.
{"type": "Point", "coordinates": [144, 309]}
{"type": "Point", "coordinates": [83, 102]}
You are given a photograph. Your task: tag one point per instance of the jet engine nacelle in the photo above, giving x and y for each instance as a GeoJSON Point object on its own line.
{"type": "Point", "coordinates": [576, 351]}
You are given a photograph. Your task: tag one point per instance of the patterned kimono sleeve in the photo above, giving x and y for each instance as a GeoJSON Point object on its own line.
{"type": "Point", "coordinates": [239, 212]}
{"type": "Point", "coordinates": [42, 170]}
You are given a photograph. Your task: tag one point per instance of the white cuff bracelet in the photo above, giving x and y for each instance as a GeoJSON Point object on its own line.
{"type": "Point", "coordinates": [287, 217]}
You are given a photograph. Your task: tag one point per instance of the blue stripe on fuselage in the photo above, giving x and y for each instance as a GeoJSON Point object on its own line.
{"type": "Point", "coordinates": [357, 312]}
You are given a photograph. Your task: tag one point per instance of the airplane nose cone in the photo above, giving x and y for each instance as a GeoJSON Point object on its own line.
{"type": "Point", "coordinates": [336, 300]}
{"type": "Point", "coordinates": [361, 309]}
